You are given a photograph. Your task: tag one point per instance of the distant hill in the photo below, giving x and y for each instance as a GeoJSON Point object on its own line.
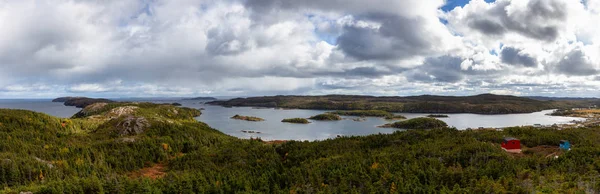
{"type": "Point", "coordinates": [480, 104]}
{"type": "Point", "coordinates": [80, 102]}
{"type": "Point", "coordinates": [201, 98]}
{"type": "Point", "coordinates": [559, 98]}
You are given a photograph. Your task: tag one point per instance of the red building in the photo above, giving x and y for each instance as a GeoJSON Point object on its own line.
{"type": "Point", "coordinates": [510, 143]}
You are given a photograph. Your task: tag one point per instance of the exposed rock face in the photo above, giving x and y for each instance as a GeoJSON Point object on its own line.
{"type": "Point", "coordinates": [90, 109]}
{"type": "Point", "coordinates": [132, 126]}
{"type": "Point", "coordinates": [95, 107]}
{"type": "Point", "coordinates": [121, 111]}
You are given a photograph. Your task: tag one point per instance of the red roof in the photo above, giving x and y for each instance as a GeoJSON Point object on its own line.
{"type": "Point", "coordinates": [511, 143]}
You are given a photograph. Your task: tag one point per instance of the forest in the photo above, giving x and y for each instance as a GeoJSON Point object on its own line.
{"type": "Point", "coordinates": [480, 104]}
{"type": "Point", "coordinates": [149, 148]}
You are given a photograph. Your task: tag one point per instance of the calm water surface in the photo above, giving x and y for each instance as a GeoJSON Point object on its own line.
{"type": "Point", "coordinates": [273, 129]}
{"type": "Point", "coordinates": [56, 109]}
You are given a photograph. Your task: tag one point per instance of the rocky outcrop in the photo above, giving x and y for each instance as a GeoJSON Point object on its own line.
{"type": "Point", "coordinates": [121, 111]}
{"type": "Point", "coordinates": [132, 126]}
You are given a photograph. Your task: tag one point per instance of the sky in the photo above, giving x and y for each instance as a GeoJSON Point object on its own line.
{"type": "Point", "coordinates": [162, 48]}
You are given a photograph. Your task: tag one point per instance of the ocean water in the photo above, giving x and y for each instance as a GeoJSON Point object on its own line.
{"type": "Point", "coordinates": [40, 105]}
{"type": "Point", "coordinates": [273, 129]}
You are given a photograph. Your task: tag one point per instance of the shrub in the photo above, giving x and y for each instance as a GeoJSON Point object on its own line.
{"type": "Point", "coordinates": [296, 120]}
{"type": "Point", "coordinates": [326, 117]}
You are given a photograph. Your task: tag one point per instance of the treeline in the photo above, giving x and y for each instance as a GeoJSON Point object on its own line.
{"type": "Point", "coordinates": [480, 104]}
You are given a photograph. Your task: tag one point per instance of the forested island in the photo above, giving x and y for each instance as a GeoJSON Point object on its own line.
{"type": "Point", "coordinates": [480, 104]}
{"type": "Point", "coordinates": [296, 120]}
{"type": "Point", "coordinates": [417, 123]}
{"type": "Point", "coordinates": [80, 102]}
{"type": "Point", "coordinates": [157, 148]}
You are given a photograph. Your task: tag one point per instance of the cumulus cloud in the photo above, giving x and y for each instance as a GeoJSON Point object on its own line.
{"type": "Point", "coordinates": [257, 47]}
{"type": "Point", "coordinates": [516, 56]}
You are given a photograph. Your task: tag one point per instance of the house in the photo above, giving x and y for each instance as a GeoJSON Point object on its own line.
{"type": "Point", "coordinates": [565, 145]}
{"type": "Point", "coordinates": [512, 145]}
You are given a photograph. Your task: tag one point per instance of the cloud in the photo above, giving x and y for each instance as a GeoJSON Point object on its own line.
{"type": "Point", "coordinates": [537, 19]}
{"type": "Point", "coordinates": [576, 63]}
{"type": "Point", "coordinates": [258, 47]}
{"type": "Point", "coordinates": [516, 56]}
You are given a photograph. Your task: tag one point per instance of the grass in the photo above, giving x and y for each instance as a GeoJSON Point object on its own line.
{"type": "Point", "coordinates": [394, 117]}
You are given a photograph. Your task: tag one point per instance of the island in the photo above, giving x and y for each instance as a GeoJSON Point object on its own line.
{"type": "Point", "coordinates": [362, 113]}
{"type": "Point", "coordinates": [326, 117]}
{"type": "Point", "coordinates": [437, 116]}
{"type": "Point", "coordinates": [247, 118]}
{"type": "Point", "coordinates": [201, 98]}
{"type": "Point", "coordinates": [417, 123]}
{"type": "Point", "coordinates": [479, 104]}
{"type": "Point", "coordinates": [80, 102]}
{"type": "Point", "coordinates": [296, 120]}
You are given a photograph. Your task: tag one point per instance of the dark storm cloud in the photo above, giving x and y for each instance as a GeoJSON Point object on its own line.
{"type": "Point", "coordinates": [514, 56]}
{"type": "Point", "coordinates": [536, 21]}
{"type": "Point", "coordinates": [397, 38]}
{"type": "Point", "coordinates": [447, 69]}
{"type": "Point", "coordinates": [575, 63]}
{"type": "Point", "coordinates": [487, 27]}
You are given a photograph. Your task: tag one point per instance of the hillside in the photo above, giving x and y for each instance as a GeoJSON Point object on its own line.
{"type": "Point", "coordinates": [481, 104]}
{"type": "Point", "coordinates": [80, 102]}
{"type": "Point", "coordinates": [155, 148]}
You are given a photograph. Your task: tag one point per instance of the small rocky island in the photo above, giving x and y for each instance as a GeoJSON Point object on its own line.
{"type": "Point", "coordinates": [437, 116]}
{"type": "Point", "coordinates": [326, 117]}
{"type": "Point", "coordinates": [247, 118]}
{"type": "Point", "coordinates": [417, 123]}
{"type": "Point", "coordinates": [296, 120]}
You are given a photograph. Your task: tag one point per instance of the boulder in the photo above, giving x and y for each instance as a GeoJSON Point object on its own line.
{"type": "Point", "coordinates": [132, 125]}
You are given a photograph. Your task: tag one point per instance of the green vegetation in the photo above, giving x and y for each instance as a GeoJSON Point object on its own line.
{"type": "Point", "coordinates": [80, 102]}
{"type": "Point", "coordinates": [481, 104]}
{"type": "Point", "coordinates": [362, 113]}
{"type": "Point", "coordinates": [45, 154]}
{"type": "Point", "coordinates": [326, 117]}
{"type": "Point", "coordinates": [139, 109]}
{"type": "Point", "coordinates": [296, 120]}
{"type": "Point", "coordinates": [418, 123]}
{"type": "Point", "coordinates": [437, 116]}
{"type": "Point", "coordinates": [247, 118]}
{"type": "Point", "coordinates": [394, 117]}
